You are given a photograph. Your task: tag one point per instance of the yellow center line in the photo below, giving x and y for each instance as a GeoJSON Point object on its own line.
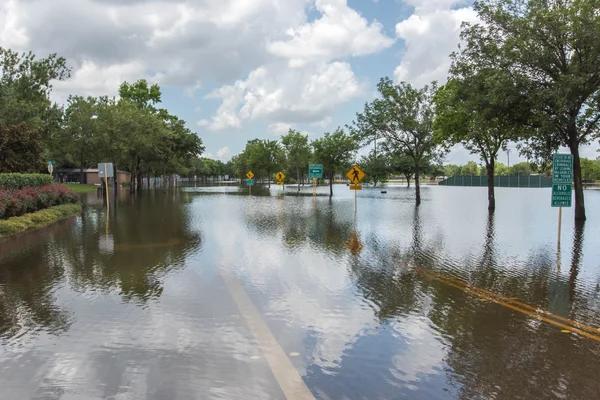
{"type": "Point", "coordinates": [493, 299]}
{"type": "Point", "coordinates": [283, 370]}
{"type": "Point", "coordinates": [518, 303]}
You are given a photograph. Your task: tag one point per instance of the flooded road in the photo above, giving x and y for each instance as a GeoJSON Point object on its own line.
{"type": "Point", "coordinates": [208, 293]}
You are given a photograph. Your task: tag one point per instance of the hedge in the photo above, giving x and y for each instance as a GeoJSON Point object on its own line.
{"type": "Point", "coordinates": [20, 181]}
{"type": "Point", "coordinates": [16, 202]}
{"type": "Point", "coordinates": [37, 219]}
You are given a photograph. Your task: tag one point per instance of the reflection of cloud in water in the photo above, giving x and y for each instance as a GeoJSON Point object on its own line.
{"type": "Point", "coordinates": [424, 353]}
{"type": "Point", "coordinates": [311, 297]}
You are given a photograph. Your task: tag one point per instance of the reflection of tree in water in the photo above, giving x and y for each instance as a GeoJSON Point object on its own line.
{"type": "Point", "coordinates": [151, 235]}
{"type": "Point", "coordinates": [317, 226]}
{"type": "Point", "coordinates": [27, 285]}
{"type": "Point", "coordinates": [491, 351]}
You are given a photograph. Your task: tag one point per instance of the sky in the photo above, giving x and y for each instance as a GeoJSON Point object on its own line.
{"type": "Point", "coordinates": [235, 70]}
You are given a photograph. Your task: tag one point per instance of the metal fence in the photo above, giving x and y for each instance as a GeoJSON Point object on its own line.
{"type": "Point", "coordinates": [526, 181]}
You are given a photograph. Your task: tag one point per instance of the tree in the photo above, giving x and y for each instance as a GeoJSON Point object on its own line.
{"type": "Point", "coordinates": [21, 149]}
{"type": "Point", "coordinates": [297, 151]}
{"type": "Point", "coordinates": [401, 163]}
{"type": "Point", "coordinates": [335, 151]}
{"type": "Point", "coordinates": [451, 170]}
{"type": "Point", "coordinates": [590, 169]}
{"type": "Point", "coordinates": [25, 86]}
{"type": "Point", "coordinates": [553, 47]}
{"type": "Point", "coordinates": [376, 167]}
{"type": "Point", "coordinates": [522, 168]}
{"type": "Point", "coordinates": [141, 94]}
{"type": "Point", "coordinates": [470, 168]}
{"type": "Point", "coordinates": [78, 141]}
{"type": "Point", "coordinates": [403, 118]}
{"type": "Point", "coordinates": [501, 169]}
{"type": "Point", "coordinates": [475, 110]}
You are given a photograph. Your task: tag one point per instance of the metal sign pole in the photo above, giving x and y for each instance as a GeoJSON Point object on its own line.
{"type": "Point", "coordinates": [355, 202]}
{"type": "Point", "coordinates": [559, 224]}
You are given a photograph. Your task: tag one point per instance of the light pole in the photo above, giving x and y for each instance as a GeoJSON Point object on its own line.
{"type": "Point", "coordinates": [508, 154]}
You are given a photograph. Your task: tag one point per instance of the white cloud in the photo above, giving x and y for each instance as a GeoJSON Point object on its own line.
{"type": "Point", "coordinates": [430, 35]}
{"type": "Point", "coordinates": [202, 122]}
{"type": "Point", "coordinates": [340, 32]}
{"type": "Point", "coordinates": [280, 128]}
{"type": "Point", "coordinates": [324, 123]}
{"type": "Point", "coordinates": [223, 153]}
{"type": "Point", "coordinates": [278, 94]}
{"type": "Point", "coordinates": [178, 42]}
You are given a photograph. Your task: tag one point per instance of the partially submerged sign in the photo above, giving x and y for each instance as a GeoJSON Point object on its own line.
{"type": "Point", "coordinates": [250, 182]}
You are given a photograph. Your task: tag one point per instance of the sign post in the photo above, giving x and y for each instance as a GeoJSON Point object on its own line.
{"type": "Point", "coordinates": [562, 184]}
{"type": "Point", "coordinates": [50, 167]}
{"type": "Point", "coordinates": [315, 171]}
{"type": "Point", "coordinates": [250, 181]}
{"type": "Point", "coordinates": [355, 175]}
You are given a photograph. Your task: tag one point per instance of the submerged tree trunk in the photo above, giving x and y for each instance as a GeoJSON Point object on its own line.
{"type": "Point", "coordinates": [81, 179]}
{"type": "Point", "coordinates": [577, 181]}
{"type": "Point", "coordinates": [490, 167]}
{"type": "Point", "coordinates": [407, 176]}
{"type": "Point", "coordinates": [331, 184]}
{"type": "Point", "coordinates": [116, 177]}
{"type": "Point", "coordinates": [298, 173]}
{"type": "Point", "coordinates": [417, 187]}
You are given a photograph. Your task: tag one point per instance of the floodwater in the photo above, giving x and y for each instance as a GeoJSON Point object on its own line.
{"type": "Point", "coordinates": [207, 293]}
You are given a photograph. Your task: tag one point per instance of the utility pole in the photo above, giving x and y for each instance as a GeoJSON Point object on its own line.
{"type": "Point", "coordinates": [508, 154]}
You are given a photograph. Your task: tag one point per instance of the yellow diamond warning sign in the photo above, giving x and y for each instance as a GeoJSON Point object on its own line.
{"type": "Point", "coordinates": [280, 176]}
{"type": "Point", "coordinates": [355, 174]}
{"type": "Point", "coordinates": [249, 175]}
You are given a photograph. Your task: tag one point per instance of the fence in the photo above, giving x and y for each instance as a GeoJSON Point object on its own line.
{"type": "Point", "coordinates": [526, 181]}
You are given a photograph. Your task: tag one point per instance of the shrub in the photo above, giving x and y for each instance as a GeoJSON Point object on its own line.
{"type": "Point", "coordinates": [20, 181]}
{"type": "Point", "coordinates": [17, 202]}
{"type": "Point", "coordinates": [37, 219]}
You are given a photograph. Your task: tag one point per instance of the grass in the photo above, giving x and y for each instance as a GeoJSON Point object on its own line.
{"type": "Point", "coordinates": [81, 188]}
{"type": "Point", "coordinates": [38, 219]}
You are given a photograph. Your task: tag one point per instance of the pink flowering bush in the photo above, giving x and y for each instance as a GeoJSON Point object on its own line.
{"type": "Point", "coordinates": [17, 202]}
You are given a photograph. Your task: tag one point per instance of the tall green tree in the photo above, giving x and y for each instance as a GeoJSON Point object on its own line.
{"type": "Point", "coordinates": [403, 118]}
{"type": "Point", "coordinates": [21, 149]}
{"type": "Point", "coordinates": [25, 86]}
{"type": "Point", "coordinates": [297, 151]}
{"type": "Point", "coordinates": [553, 47]}
{"type": "Point", "coordinates": [475, 109]}
{"type": "Point", "coordinates": [375, 166]}
{"type": "Point", "coordinates": [79, 140]}
{"type": "Point", "coordinates": [335, 151]}
{"type": "Point", "coordinates": [403, 164]}
{"type": "Point", "coordinates": [140, 93]}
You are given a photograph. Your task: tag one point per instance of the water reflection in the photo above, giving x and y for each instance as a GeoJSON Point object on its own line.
{"type": "Point", "coordinates": [394, 302]}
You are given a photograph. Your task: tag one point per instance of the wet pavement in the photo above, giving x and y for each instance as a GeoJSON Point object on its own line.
{"type": "Point", "coordinates": [209, 293]}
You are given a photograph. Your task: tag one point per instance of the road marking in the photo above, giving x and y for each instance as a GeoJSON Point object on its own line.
{"type": "Point", "coordinates": [513, 300]}
{"type": "Point", "coordinates": [285, 374]}
{"type": "Point", "coordinates": [494, 298]}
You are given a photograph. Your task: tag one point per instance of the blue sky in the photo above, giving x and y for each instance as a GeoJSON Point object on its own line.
{"type": "Point", "coordinates": [240, 69]}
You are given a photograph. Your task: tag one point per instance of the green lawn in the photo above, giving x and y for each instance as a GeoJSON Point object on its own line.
{"type": "Point", "coordinates": [81, 188]}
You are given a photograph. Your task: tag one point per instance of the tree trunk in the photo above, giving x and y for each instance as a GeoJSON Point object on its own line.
{"type": "Point", "coordinates": [148, 180]}
{"type": "Point", "coordinates": [407, 180]}
{"type": "Point", "coordinates": [331, 184]}
{"type": "Point", "coordinates": [298, 173]}
{"type": "Point", "coordinates": [578, 182]}
{"type": "Point", "coordinates": [81, 180]}
{"type": "Point", "coordinates": [490, 166]}
{"type": "Point", "coordinates": [417, 187]}
{"type": "Point", "coordinates": [269, 178]}
{"type": "Point", "coordinates": [116, 177]}
{"type": "Point", "coordinates": [133, 174]}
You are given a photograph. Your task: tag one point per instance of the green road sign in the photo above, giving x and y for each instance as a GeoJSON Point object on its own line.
{"type": "Point", "coordinates": [562, 168]}
{"type": "Point", "coordinates": [52, 162]}
{"type": "Point", "coordinates": [315, 171]}
{"type": "Point", "coordinates": [250, 182]}
{"type": "Point", "coordinates": [561, 195]}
